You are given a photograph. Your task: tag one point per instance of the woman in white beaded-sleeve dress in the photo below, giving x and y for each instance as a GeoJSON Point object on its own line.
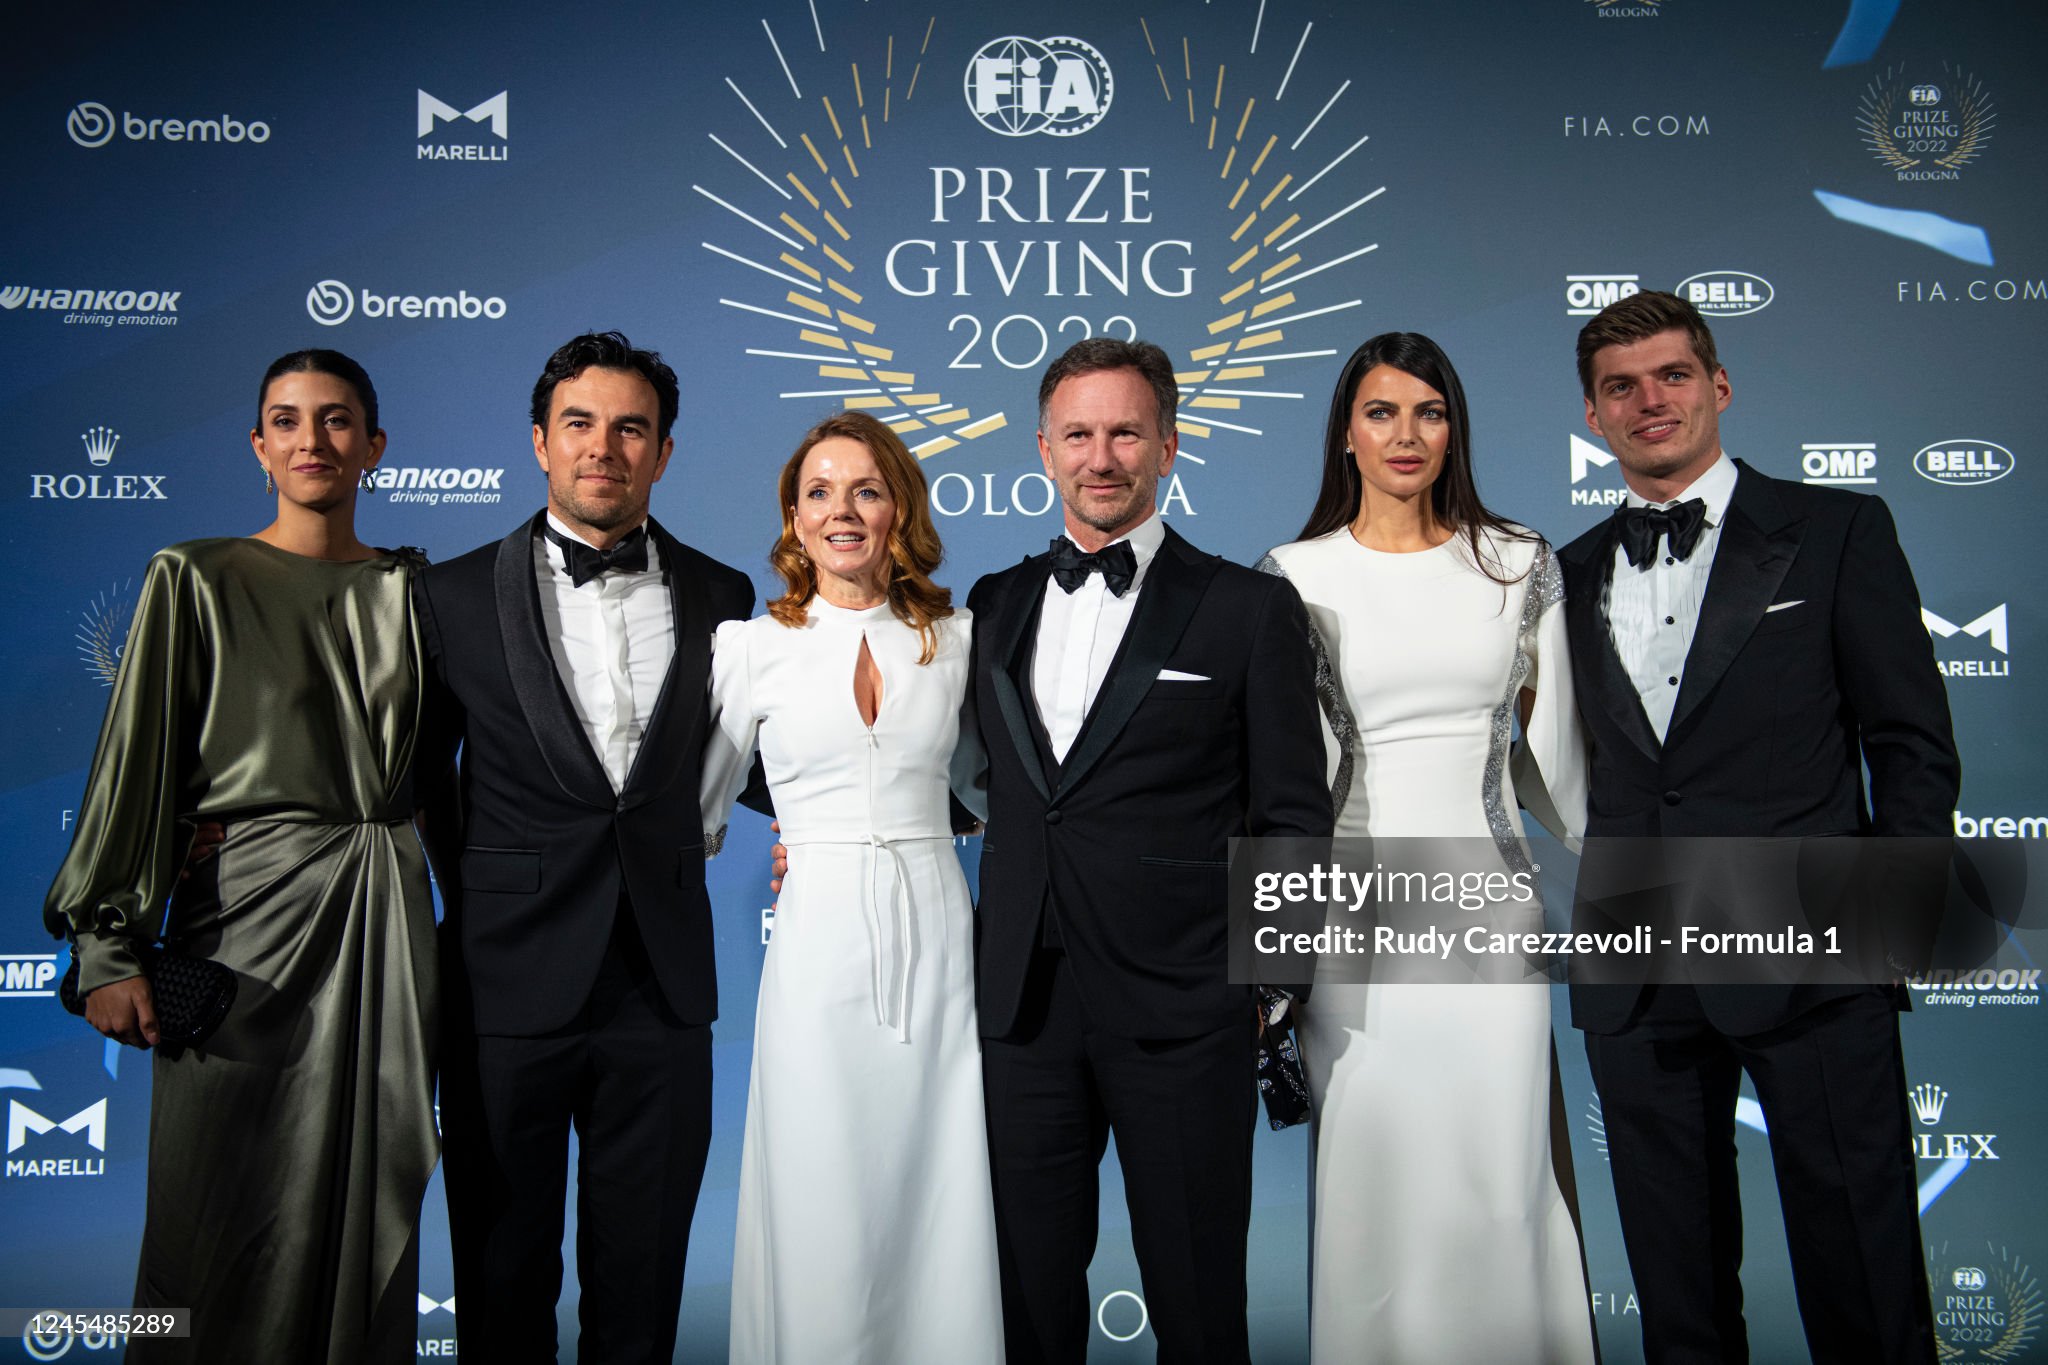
{"type": "Point", "coordinates": [866, 1227]}
{"type": "Point", "coordinates": [1442, 1227]}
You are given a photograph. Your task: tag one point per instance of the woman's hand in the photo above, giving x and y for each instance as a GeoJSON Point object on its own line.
{"type": "Point", "coordinates": [124, 1011]}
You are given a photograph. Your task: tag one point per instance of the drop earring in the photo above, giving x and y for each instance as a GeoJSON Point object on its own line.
{"type": "Point", "coordinates": [369, 485]}
{"type": "Point", "coordinates": [269, 484]}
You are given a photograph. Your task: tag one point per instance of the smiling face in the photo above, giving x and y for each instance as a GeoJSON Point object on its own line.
{"type": "Point", "coordinates": [843, 515]}
{"type": "Point", "coordinates": [1400, 429]}
{"type": "Point", "coordinates": [1659, 410]}
{"type": "Point", "coordinates": [313, 441]}
{"type": "Point", "coordinates": [1103, 449]}
{"type": "Point", "coordinates": [600, 452]}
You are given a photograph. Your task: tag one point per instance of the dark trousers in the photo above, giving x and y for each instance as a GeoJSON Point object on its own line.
{"type": "Point", "coordinates": [1182, 1113]}
{"type": "Point", "coordinates": [1832, 1084]}
{"type": "Point", "coordinates": [636, 1084]}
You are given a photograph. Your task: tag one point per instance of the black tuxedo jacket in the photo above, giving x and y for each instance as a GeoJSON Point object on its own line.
{"type": "Point", "coordinates": [532, 871]}
{"type": "Point", "coordinates": [1778, 711]}
{"type": "Point", "coordinates": [1124, 844]}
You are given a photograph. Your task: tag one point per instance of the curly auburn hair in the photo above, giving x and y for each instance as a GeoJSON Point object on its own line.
{"type": "Point", "coordinates": [914, 546]}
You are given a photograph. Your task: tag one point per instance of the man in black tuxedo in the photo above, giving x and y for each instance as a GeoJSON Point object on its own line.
{"type": "Point", "coordinates": [1141, 703]}
{"type": "Point", "coordinates": [1743, 648]}
{"type": "Point", "coordinates": [571, 660]}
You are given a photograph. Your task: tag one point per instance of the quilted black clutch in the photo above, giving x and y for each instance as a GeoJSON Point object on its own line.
{"type": "Point", "coordinates": [192, 994]}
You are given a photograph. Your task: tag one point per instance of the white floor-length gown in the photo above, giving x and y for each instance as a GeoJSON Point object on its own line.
{"type": "Point", "coordinates": [1440, 1230]}
{"type": "Point", "coordinates": [866, 1225]}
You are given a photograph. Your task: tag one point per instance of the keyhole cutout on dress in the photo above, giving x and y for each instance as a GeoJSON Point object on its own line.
{"type": "Point", "coordinates": [867, 685]}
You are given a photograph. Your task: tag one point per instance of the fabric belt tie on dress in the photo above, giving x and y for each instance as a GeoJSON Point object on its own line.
{"type": "Point", "coordinates": [892, 1008]}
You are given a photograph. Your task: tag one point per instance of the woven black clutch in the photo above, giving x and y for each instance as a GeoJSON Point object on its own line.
{"type": "Point", "coordinates": [192, 994]}
{"type": "Point", "coordinates": [1283, 1085]}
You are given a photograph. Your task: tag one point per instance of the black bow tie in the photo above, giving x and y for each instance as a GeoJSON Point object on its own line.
{"type": "Point", "coordinates": [1118, 565]}
{"type": "Point", "coordinates": [586, 563]}
{"type": "Point", "coordinates": [1641, 526]}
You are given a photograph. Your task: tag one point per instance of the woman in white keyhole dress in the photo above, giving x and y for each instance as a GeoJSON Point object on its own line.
{"type": "Point", "coordinates": [1441, 1227]}
{"type": "Point", "coordinates": [866, 1228]}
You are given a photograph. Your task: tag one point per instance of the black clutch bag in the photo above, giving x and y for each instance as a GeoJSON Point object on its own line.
{"type": "Point", "coordinates": [192, 994]}
{"type": "Point", "coordinates": [1282, 1083]}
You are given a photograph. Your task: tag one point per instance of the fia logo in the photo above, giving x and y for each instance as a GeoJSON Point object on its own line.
{"type": "Point", "coordinates": [1057, 86]}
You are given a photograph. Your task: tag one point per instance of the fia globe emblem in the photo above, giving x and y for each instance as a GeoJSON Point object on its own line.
{"type": "Point", "coordinates": [1924, 95]}
{"type": "Point", "coordinates": [1019, 86]}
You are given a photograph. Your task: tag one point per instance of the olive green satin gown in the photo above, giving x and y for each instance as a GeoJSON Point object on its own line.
{"type": "Point", "coordinates": [288, 1154]}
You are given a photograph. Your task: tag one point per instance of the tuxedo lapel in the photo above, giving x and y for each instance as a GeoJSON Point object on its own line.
{"type": "Point", "coordinates": [1755, 551]}
{"type": "Point", "coordinates": [1173, 588]}
{"type": "Point", "coordinates": [671, 730]}
{"type": "Point", "coordinates": [1009, 662]}
{"type": "Point", "coordinates": [530, 662]}
{"type": "Point", "coordinates": [1587, 578]}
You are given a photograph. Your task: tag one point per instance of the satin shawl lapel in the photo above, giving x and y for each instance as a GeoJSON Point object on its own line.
{"type": "Point", "coordinates": [535, 681]}
{"type": "Point", "coordinates": [1756, 550]}
{"type": "Point", "coordinates": [1173, 588]}
{"type": "Point", "coordinates": [1009, 661]}
{"type": "Point", "coordinates": [672, 729]}
{"type": "Point", "coordinates": [1585, 606]}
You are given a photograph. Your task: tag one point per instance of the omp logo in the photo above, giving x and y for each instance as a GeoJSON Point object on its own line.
{"type": "Point", "coordinates": [90, 124]}
{"type": "Point", "coordinates": [22, 1121]}
{"type": "Point", "coordinates": [493, 110]}
{"type": "Point", "coordinates": [1585, 295]}
{"type": "Point", "coordinates": [1990, 625]}
{"type": "Point", "coordinates": [1961, 461]}
{"type": "Point", "coordinates": [331, 303]}
{"type": "Point", "coordinates": [27, 975]}
{"type": "Point", "coordinates": [1928, 1101]}
{"type": "Point", "coordinates": [1838, 462]}
{"type": "Point", "coordinates": [1726, 293]}
{"type": "Point", "coordinates": [1019, 86]}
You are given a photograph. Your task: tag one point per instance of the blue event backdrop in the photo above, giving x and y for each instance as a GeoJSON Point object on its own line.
{"type": "Point", "coordinates": [810, 203]}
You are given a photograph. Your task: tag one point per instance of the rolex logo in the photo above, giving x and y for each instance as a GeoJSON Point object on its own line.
{"type": "Point", "coordinates": [100, 443]}
{"type": "Point", "coordinates": [1928, 1102]}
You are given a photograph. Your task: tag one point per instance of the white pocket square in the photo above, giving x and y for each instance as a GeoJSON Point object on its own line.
{"type": "Point", "coordinates": [1175, 675]}
{"type": "Point", "coordinates": [1780, 606]}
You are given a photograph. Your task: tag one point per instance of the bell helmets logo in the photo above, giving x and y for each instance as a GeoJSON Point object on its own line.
{"type": "Point", "coordinates": [1726, 293]}
{"type": "Point", "coordinates": [331, 303]}
{"type": "Point", "coordinates": [1057, 86]}
{"type": "Point", "coordinates": [92, 124]}
{"type": "Point", "coordinates": [1963, 462]}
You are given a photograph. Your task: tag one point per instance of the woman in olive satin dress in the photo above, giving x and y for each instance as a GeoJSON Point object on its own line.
{"type": "Point", "coordinates": [270, 685]}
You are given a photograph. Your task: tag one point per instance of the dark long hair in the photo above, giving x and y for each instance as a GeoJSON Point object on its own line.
{"type": "Point", "coordinates": [320, 361]}
{"type": "Point", "coordinates": [1454, 497]}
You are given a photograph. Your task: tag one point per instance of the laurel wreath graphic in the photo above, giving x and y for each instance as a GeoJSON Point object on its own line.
{"type": "Point", "coordinates": [1974, 113]}
{"type": "Point", "coordinates": [2021, 1294]}
{"type": "Point", "coordinates": [814, 176]}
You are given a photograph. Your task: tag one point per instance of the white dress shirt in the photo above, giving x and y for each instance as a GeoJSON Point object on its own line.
{"type": "Point", "coordinates": [612, 640]}
{"type": "Point", "coordinates": [1653, 610]}
{"type": "Point", "coordinates": [1078, 636]}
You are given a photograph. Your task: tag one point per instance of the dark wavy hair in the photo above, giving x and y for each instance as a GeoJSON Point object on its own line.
{"type": "Point", "coordinates": [914, 546]}
{"type": "Point", "coordinates": [608, 351]}
{"type": "Point", "coordinates": [320, 361]}
{"type": "Point", "coordinates": [1454, 497]}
